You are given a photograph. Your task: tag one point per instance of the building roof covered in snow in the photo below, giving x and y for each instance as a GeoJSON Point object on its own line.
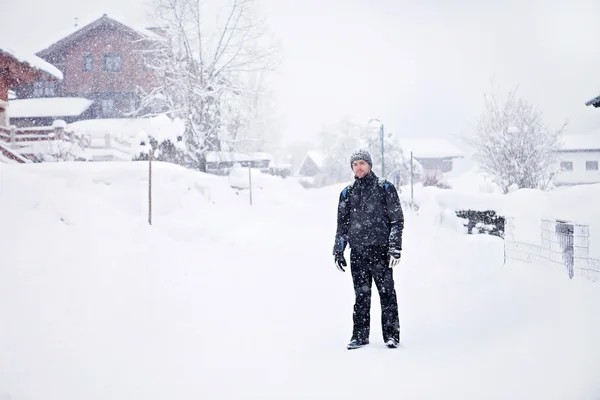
{"type": "Point", "coordinates": [311, 164]}
{"type": "Point", "coordinates": [586, 142]}
{"type": "Point", "coordinates": [72, 35]}
{"type": "Point", "coordinates": [430, 148]}
{"type": "Point", "coordinates": [48, 107]}
{"type": "Point", "coordinates": [33, 61]}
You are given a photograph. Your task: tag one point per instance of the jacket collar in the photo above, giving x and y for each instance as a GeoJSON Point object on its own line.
{"type": "Point", "coordinates": [370, 177]}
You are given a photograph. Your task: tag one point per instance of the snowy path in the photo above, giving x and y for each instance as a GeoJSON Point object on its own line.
{"type": "Point", "coordinates": [189, 310]}
{"type": "Point", "coordinates": [283, 331]}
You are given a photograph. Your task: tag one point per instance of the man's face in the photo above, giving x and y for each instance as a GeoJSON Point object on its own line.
{"type": "Point", "coordinates": [361, 168]}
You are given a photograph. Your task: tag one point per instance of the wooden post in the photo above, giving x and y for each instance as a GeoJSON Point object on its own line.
{"type": "Point", "coordinates": [150, 183]}
{"type": "Point", "coordinates": [13, 134]}
{"type": "Point", "coordinates": [250, 181]}
{"type": "Point", "coordinates": [58, 132]}
{"type": "Point", "coordinates": [412, 198]}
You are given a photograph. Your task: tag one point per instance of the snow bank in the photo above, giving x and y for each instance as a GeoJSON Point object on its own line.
{"type": "Point", "coordinates": [472, 181]}
{"type": "Point", "coordinates": [432, 211]}
{"type": "Point", "coordinates": [576, 204]}
{"type": "Point", "coordinates": [215, 291]}
{"type": "Point", "coordinates": [528, 207]}
{"type": "Point", "coordinates": [266, 188]}
{"type": "Point", "coordinates": [124, 185]}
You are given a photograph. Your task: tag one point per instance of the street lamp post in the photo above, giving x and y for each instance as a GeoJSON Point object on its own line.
{"type": "Point", "coordinates": [381, 143]}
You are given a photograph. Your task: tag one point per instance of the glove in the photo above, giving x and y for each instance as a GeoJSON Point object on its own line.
{"type": "Point", "coordinates": [340, 262]}
{"type": "Point", "coordinates": [394, 257]}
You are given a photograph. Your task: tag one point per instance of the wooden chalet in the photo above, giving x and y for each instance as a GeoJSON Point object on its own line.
{"type": "Point", "coordinates": [18, 70]}
{"type": "Point", "coordinates": [104, 61]}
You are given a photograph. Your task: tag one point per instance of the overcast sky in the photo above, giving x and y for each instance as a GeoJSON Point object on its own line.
{"type": "Point", "coordinates": [422, 67]}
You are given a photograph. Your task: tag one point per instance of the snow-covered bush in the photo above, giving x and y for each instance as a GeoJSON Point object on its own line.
{"type": "Point", "coordinates": [165, 139]}
{"type": "Point", "coordinates": [513, 145]}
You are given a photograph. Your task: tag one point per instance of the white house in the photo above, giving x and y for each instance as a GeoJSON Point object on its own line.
{"type": "Point", "coordinates": [578, 160]}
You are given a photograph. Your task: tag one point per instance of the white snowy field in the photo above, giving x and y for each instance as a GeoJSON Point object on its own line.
{"type": "Point", "coordinates": [222, 300]}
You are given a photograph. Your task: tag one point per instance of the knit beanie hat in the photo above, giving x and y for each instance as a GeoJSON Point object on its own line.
{"type": "Point", "coordinates": [361, 154]}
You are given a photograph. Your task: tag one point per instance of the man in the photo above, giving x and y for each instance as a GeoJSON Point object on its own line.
{"type": "Point", "coordinates": [370, 220]}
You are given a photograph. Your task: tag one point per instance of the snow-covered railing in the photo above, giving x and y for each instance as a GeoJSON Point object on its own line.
{"type": "Point", "coordinates": [562, 243]}
{"type": "Point", "coordinates": [108, 145]}
{"type": "Point", "coordinates": [35, 143]}
{"type": "Point", "coordinates": [5, 133]}
{"type": "Point", "coordinates": [12, 155]}
{"type": "Point", "coordinates": [37, 133]}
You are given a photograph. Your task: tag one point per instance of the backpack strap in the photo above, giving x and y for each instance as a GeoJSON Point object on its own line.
{"type": "Point", "coordinates": [348, 190]}
{"type": "Point", "coordinates": [384, 184]}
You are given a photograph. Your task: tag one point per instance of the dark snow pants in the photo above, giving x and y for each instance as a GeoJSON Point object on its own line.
{"type": "Point", "coordinates": [368, 264]}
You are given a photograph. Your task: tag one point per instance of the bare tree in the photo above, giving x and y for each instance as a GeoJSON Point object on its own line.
{"type": "Point", "coordinates": [252, 120]}
{"type": "Point", "coordinates": [341, 139]}
{"type": "Point", "coordinates": [202, 65]}
{"type": "Point", "coordinates": [513, 145]}
{"type": "Point", "coordinates": [338, 141]}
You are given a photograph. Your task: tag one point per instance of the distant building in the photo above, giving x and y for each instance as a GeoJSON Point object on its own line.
{"type": "Point", "coordinates": [578, 160]}
{"type": "Point", "coordinates": [311, 165]}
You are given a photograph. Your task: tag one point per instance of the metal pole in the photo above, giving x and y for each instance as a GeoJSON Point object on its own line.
{"type": "Point", "coordinates": [250, 181]}
{"type": "Point", "coordinates": [150, 184]}
{"type": "Point", "coordinates": [412, 199]}
{"type": "Point", "coordinates": [381, 138]}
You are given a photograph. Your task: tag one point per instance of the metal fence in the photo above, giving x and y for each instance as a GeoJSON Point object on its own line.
{"type": "Point", "coordinates": [562, 242]}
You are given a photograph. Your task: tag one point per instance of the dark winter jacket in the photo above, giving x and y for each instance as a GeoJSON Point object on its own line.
{"type": "Point", "coordinates": [369, 214]}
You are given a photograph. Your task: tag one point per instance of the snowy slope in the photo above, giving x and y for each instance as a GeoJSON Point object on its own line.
{"type": "Point", "coordinates": [222, 300]}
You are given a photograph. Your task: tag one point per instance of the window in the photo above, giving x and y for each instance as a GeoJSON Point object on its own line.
{"type": "Point", "coordinates": [566, 165]}
{"type": "Point", "coordinates": [88, 62]}
{"type": "Point", "coordinates": [112, 62]}
{"type": "Point", "coordinates": [44, 89]}
{"type": "Point", "coordinates": [108, 107]}
{"type": "Point", "coordinates": [446, 165]}
{"type": "Point", "coordinates": [591, 165]}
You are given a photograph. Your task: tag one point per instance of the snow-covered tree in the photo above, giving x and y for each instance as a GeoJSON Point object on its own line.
{"type": "Point", "coordinates": [163, 138]}
{"type": "Point", "coordinates": [396, 161]}
{"type": "Point", "coordinates": [512, 144]}
{"type": "Point", "coordinates": [202, 66]}
{"type": "Point", "coordinates": [252, 120]}
{"type": "Point", "coordinates": [340, 140]}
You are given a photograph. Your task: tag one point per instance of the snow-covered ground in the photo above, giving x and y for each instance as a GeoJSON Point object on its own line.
{"type": "Point", "coordinates": [222, 300]}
